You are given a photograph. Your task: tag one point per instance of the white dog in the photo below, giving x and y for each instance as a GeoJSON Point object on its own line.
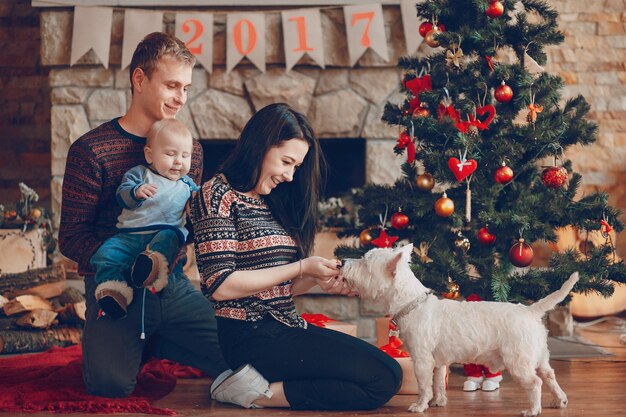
{"type": "Point", "coordinates": [440, 332]}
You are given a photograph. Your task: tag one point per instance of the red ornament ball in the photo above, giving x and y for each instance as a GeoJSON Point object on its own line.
{"type": "Point", "coordinates": [424, 28]}
{"type": "Point", "coordinates": [484, 237]}
{"type": "Point", "coordinates": [554, 177]}
{"type": "Point", "coordinates": [503, 93]}
{"type": "Point", "coordinates": [495, 9]}
{"type": "Point", "coordinates": [521, 254]}
{"type": "Point", "coordinates": [399, 220]}
{"type": "Point", "coordinates": [503, 174]}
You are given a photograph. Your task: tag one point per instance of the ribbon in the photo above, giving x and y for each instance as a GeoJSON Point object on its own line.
{"type": "Point", "coordinates": [393, 348]}
{"type": "Point", "coordinates": [416, 86]}
{"type": "Point", "coordinates": [316, 319]}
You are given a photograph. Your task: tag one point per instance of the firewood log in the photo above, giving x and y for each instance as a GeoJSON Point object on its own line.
{"type": "Point", "coordinates": [40, 281]}
{"type": "Point", "coordinates": [37, 319]}
{"type": "Point", "coordinates": [26, 302]}
{"type": "Point", "coordinates": [23, 341]}
{"type": "Point", "coordinates": [71, 306]}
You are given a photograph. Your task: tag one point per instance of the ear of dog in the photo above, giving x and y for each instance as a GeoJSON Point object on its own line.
{"type": "Point", "coordinates": [401, 254]}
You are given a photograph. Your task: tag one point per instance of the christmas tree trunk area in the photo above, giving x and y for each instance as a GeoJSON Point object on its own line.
{"type": "Point", "coordinates": [478, 122]}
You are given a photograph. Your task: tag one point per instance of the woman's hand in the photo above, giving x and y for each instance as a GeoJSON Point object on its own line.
{"type": "Point", "coordinates": [320, 268]}
{"type": "Point", "coordinates": [336, 285]}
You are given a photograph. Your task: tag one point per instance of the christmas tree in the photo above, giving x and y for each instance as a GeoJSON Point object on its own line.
{"type": "Point", "coordinates": [479, 118]}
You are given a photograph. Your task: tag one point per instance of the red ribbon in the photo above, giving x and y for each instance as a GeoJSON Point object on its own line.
{"type": "Point", "coordinates": [416, 86]}
{"type": "Point", "coordinates": [393, 347]}
{"type": "Point", "coordinates": [316, 319]}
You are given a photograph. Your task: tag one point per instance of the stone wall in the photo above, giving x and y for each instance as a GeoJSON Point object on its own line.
{"type": "Point", "coordinates": [24, 104]}
{"type": "Point", "coordinates": [341, 101]}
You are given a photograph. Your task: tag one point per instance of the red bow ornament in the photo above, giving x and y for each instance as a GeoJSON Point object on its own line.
{"type": "Point", "coordinates": [405, 141]}
{"type": "Point", "coordinates": [416, 86]}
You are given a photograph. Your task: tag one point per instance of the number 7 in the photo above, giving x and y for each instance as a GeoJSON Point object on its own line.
{"type": "Point", "coordinates": [365, 39]}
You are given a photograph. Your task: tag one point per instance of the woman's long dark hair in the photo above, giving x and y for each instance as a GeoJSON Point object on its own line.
{"type": "Point", "coordinates": [295, 203]}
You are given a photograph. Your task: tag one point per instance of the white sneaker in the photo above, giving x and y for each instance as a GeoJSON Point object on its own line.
{"type": "Point", "coordinates": [242, 387]}
{"type": "Point", "coordinates": [472, 383]}
{"type": "Point", "coordinates": [220, 378]}
{"type": "Point", "coordinates": [492, 384]}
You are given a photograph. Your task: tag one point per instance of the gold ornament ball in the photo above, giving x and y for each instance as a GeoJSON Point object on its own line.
{"type": "Point", "coordinates": [365, 237]}
{"type": "Point", "coordinates": [425, 182]}
{"type": "Point", "coordinates": [430, 37]}
{"type": "Point", "coordinates": [462, 243]}
{"type": "Point", "coordinates": [453, 291]}
{"type": "Point", "coordinates": [444, 207]}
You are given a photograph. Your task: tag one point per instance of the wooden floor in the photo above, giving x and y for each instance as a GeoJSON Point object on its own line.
{"type": "Point", "coordinates": [596, 387]}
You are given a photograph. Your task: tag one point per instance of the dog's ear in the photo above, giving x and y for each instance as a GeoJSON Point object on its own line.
{"type": "Point", "coordinates": [392, 266]}
{"type": "Point", "coordinates": [406, 251]}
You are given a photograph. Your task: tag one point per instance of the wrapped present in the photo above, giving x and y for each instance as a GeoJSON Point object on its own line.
{"type": "Point", "coordinates": [388, 340]}
{"type": "Point", "coordinates": [323, 321]}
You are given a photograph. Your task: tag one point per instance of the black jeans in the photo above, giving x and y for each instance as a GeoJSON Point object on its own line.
{"type": "Point", "coordinates": [179, 325]}
{"type": "Point", "coordinates": [321, 369]}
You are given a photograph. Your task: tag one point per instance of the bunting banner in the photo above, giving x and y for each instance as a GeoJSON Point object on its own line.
{"type": "Point", "coordinates": [137, 24]}
{"type": "Point", "coordinates": [85, 38]}
{"type": "Point", "coordinates": [365, 29]}
{"type": "Point", "coordinates": [196, 31]}
{"type": "Point", "coordinates": [302, 33]}
{"type": "Point", "coordinates": [245, 34]}
{"type": "Point", "coordinates": [245, 37]}
{"type": "Point", "coordinates": [411, 25]}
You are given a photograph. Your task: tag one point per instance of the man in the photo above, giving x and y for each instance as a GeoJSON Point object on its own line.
{"type": "Point", "coordinates": [178, 322]}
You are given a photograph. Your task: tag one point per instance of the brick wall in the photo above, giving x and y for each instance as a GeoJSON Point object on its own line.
{"type": "Point", "coordinates": [24, 104]}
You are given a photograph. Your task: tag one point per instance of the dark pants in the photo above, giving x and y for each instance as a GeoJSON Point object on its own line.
{"type": "Point", "coordinates": [179, 325]}
{"type": "Point", "coordinates": [321, 369]}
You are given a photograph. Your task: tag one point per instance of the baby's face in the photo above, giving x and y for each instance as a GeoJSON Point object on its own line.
{"type": "Point", "coordinates": [170, 154]}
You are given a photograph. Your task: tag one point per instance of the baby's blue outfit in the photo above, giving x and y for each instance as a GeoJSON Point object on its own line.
{"type": "Point", "coordinates": [157, 222]}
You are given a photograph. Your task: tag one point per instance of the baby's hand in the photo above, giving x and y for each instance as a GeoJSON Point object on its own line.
{"type": "Point", "coordinates": [145, 191]}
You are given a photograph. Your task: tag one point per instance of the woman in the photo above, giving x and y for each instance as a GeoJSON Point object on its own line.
{"type": "Point", "coordinates": [254, 225]}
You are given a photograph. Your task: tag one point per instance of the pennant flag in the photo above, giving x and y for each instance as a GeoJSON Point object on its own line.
{"type": "Point", "coordinates": [411, 25]}
{"type": "Point", "coordinates": [245, 36]}
{"type": "Point", "coordinates": [365, 29]}
{"type": "Point", "coordinates": [302, 33]}
{"type": "Point", "coordinates": [137, 24]}
{"type": "Point", "coordinates": [196, 31]}
{"type": "Point", "coordinates": [84, 37]}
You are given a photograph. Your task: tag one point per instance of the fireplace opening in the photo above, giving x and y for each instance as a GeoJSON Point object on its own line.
{"type": "Point", "coordinates": [345, 160]}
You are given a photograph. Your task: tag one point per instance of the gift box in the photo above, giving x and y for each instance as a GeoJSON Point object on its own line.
{"type": "Point", "coordinates": [388, 341]}
{"type": "Point", "coordinates": [323, 321]}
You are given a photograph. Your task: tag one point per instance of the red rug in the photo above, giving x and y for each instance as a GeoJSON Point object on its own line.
{"type": "Point", "coordinates": [52, 381]}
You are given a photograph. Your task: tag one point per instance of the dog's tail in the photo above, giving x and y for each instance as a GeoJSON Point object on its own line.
{"type": "Point", "coordinates": [549, 302]}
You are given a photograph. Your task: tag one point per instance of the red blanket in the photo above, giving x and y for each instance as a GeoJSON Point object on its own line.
{"type": "Point", "coordinates": [52, 381]}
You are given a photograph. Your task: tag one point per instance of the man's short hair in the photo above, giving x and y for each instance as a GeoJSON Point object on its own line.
{"type": "Point", "coordinates": [155, 46]}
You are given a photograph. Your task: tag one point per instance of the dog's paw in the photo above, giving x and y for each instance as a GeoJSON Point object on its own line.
{"type": "Point", "coordinates": [559, 402]}
{"type": "Point", "coordinates": [438, 401]}
{"type": "Point", "coordinates": [418, 408]}
{"type": "Point", "coordinates": [531, 413]}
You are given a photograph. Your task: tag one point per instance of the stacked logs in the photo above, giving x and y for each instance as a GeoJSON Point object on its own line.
{"type": "Point", "coordinates": [39, 310]}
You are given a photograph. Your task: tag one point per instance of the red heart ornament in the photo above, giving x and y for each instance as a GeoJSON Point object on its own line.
{"type": "Point", "coordinates": [462, 170]}
{"type": "Point", "coordinates": [490, 110]}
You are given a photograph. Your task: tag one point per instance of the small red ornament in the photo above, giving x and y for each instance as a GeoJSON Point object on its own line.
{"type": "Point", "coordinates": [399, 220]}
{"type": "Point", "coordinates": [521, 254]}
{"type": "Point", "coordinates": [462, 169]}
{"type": "Point", "coordinates": [484, 237]}
{"type": "Point", "coordinates": [421, 111]}
{"type": "Point", "coordinates": [495, 9]}
{"type": "Point", "coordinates": [383, 240]}
{"type": "Point", "coordinates": [554, 177]}
{"type": "Point", "coordinates": [503, 93]}
{"type": "Point", "coordinates": [503, 174]}
{"type": "Point", "coordinates": [424, 28]}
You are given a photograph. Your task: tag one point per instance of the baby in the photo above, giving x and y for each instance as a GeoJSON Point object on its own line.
{"type": "Point", "coordinates": [151, 225]}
